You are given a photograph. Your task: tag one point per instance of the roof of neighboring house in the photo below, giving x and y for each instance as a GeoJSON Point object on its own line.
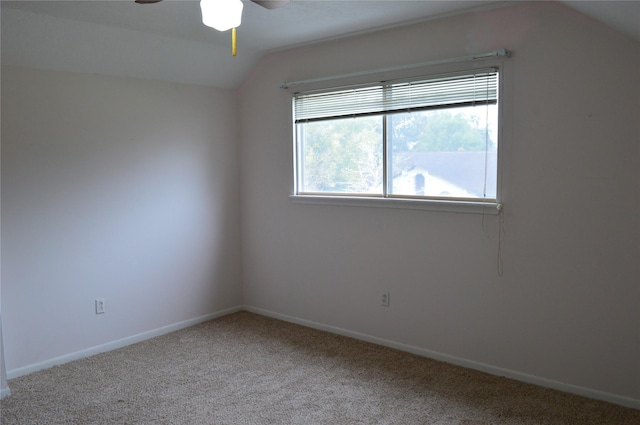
{"type": "Point", "coordinates": [463, 169]}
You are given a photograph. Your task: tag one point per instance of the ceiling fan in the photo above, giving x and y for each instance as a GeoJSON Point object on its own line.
{"type": "Point", "coordinates": [226, 14]}
{"type": "Point", "coordinates": [269, 4]}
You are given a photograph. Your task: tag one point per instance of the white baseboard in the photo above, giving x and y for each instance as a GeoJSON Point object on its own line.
{"type": "Point", "coordinates": [494, 370]}
{"type": "Point", "coordinates": [118, 343]}
{"type": "Point", "coordinates": [4, 392]}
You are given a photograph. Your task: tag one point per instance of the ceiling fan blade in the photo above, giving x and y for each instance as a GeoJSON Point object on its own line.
{"type": "Point", "coordinates": [271, 4]}
{"type": "Point", "coordinates": [147, 1]}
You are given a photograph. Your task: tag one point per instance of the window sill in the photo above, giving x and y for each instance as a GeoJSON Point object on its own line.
{"type": "Point", "coordinates": [411, 204]}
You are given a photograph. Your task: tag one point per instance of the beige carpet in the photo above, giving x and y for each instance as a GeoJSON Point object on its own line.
{"type": "Point", "coordinates": [248, 369]}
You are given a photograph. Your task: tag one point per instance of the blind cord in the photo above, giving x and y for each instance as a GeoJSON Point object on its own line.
{"type": "Point", "coordinates": [501, 230]}
{"type": "Point", "coordinates": [486, 156]}
{"type": "Point", "coordinates": [499, 262]}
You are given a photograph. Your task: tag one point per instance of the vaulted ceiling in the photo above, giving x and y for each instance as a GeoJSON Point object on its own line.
{"type": "Point", "coordinates": [167, 40]}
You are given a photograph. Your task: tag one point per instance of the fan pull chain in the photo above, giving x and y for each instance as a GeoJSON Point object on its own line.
{"type": "Point", "coordinates": [233, 41]}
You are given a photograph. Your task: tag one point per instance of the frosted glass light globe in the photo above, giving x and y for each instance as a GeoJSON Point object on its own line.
{"type": "Point", "coordinates": [221, 14]}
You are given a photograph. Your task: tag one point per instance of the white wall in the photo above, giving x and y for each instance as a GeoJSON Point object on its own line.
{"type": "Point", "coordinates": [565, 313]}
{"type": "Point", "coordinates": [113, 188]}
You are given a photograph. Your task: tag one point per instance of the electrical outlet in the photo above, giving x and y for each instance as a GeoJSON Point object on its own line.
{"type": "Point", "coordinates": [100, 306]}
{"type": "Point", "coordinates": [386, 299]}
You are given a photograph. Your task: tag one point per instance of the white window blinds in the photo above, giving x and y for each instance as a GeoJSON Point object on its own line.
{"type": "Point", "coordinates": [479, 87]}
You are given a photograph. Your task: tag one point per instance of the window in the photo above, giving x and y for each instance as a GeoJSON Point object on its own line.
{"type": "Point", "coordinates": [430, 139]}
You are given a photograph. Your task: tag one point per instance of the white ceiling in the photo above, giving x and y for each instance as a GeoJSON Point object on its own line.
{"type": "Point", "coordinates": [167, 40]}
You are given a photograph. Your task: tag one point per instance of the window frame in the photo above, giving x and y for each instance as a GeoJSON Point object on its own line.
{"type": "Point", "coordinates": [386, 200]}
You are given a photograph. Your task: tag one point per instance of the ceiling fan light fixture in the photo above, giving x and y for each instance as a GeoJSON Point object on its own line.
{"type": "Point", "coordinates": [221, 15]}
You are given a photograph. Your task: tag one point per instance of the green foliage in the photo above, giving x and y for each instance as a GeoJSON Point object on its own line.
{"type": "Point", "coordinates": [343, 155]}
{"type": "Point", "coordinates": [437, 131]}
